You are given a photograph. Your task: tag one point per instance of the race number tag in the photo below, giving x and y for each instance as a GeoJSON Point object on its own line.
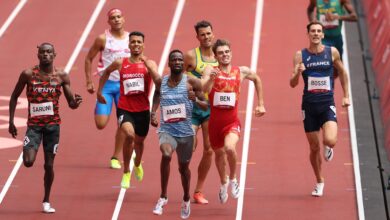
{"type": "Point", "coordinates": [328, 24]}
{"type": "Point", "coordinates": [133, 86]}
{"type": "Point", "coordinates": [174, 113]}
{"type": "Point", "coordinates": [40, 109]}
{"type": "Point", "coordinates": [318, 84]}
{"type": "Point", "coordinates": [224, 99]}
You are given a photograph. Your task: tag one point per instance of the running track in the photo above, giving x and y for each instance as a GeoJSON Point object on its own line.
{"type": "Point", "coordinates": [279, 178]}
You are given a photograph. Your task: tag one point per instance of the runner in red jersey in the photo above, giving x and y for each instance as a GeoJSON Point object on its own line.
{"type": "Point", "coordinates": [136, 73]}
{"type": "Point", "coordinates": [223, 85]}
{"type": "Point", "coordinates": [44, 84]}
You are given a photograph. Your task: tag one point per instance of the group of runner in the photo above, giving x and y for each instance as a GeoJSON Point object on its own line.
{"type": "Point", "coordinates": [201, 91]}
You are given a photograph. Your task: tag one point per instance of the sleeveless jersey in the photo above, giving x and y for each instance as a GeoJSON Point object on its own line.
{"type": "Point", "coordinates": [200, 66]}
{"type": "Point", "coordinates": [43, 96]}
{"type": "Point", "coordinates": [332, 28]}
{"type": "Point", "coordinates": [114, 49]}
{"type": "Point", "coordinates": [176, 109]}
{"type": "Point", "coordinates": [135, 83]}
{"type": "Point", "coordinates": [318, 76]}
{"type": "Point", "coordinates": [224, 96]}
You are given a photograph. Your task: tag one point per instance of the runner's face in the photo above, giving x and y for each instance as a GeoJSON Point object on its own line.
{"type": "Point", "coordinates": [315, 34]}
{"type": "Point", "coordinates": [205, 37]}
{"type": "Point", "coordinates": [136, 45]}
{"type": "Point", "coordinates": [116, 21]}
{"type": "Point", "coordinates": [224, 55]}
{"type": "Point", "coordinates": [176, 63]}
{"type": "Point", "coordinates": [46, 54]}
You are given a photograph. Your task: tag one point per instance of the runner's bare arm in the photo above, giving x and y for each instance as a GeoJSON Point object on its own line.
{"type": "Point", "coordinates": [189, 60]}
{"type": "Point", "coordinates": [310, 10]}
{"type": "Point", "coordinates": [351, 16]}
{"type": "Point", "coordinates": [299, 67]}
{"type": "Point", "coordinates": [251, 75]}
{"type": "Point", "coordinates": [75, 100]}
{"type": "Point", "coordinates": [338, 64]}
{"type": "Point", "coordinates": [156, 103]}
{"type": "Point", "coordinates": [153, 71]}
{"type": "Point", "coordinates": [116, 65]}
{"type": "Point", "coordinates": [19, 87]}
{"type": "Point", "coordinates": [200, 99]}
{"type": "Point", "coordinates": [97, 46]}
{"type": "Point", "coordinates": [208, 76]}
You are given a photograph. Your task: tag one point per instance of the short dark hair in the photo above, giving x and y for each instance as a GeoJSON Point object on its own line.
{"type": "Point", "coordinates": [308, 26]}
{"type": "Point", "coordinates": [45, 43]}
{"type": "Point", "coordinates": [174, 51]}
{"type": "Point", "coordinates": [137, 33]}
{"type": "Point", "coordinates": [219, 43]}
{"type": "Point", "coordinates": [202, 24]}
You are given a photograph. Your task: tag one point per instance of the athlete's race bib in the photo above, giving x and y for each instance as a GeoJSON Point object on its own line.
{"type": "Point", "coordinates": [133, 86]}
{"type": "Point", "coordinates": [174, 113]}
{"type": "Point", "coordinates": [224, 99]}
{"type": "Point", "coordinates": [318, 84]}
{"type": "Point", "coordinates": [328, 24]}
{"type": "Point", "coordinates": [40, 109]}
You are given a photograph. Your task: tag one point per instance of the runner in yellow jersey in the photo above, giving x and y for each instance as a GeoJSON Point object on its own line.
{"type": "Point", "coordinates": [195, 61]}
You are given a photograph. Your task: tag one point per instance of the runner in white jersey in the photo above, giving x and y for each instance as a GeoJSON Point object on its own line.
{"type": "Point", "coordinates": [112, 44]}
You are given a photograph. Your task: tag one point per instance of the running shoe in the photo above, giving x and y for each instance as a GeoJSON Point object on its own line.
{"type": "Point", "coordinates": [126, 180]}
{"type": "Point", "coordinates": [199, 198]}
{"type": "Point", "coordinates": [139, 172]}
{"type": "Point", "coordinates": [158, 210]}
{"type": "Point", "coordinates": [328, 153]}
{"type": "Point", "coordinates": [47, 208]}
{"type": "Point", "coordinates": [235, 188]}
{"type": "Point", "coordinates": [223, 195]}
{"type": "Point", "coordinates": [318, 190]}
{"type": "Point", "coordinates": [185, 210]}
{"type": "Point", "coordinates": [115, 164]}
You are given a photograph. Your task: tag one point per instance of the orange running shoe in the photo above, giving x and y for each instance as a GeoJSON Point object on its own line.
{"type": "Point", "coordinates": [200, 199]}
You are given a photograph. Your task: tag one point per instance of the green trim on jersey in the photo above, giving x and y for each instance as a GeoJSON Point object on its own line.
{"type": "Point", "coordinates": [333, 6]}
{"type": "Point", "coordinates": [201, 64]}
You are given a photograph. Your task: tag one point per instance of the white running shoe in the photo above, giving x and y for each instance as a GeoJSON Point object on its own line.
{"type": "Point", "coordinates": [235, 188]}
{"type": "Point", "coordinates": [328, 153]}
{"type": "Point", "coordinates": [223, 195]}
{"type": "Point", "coordinates": [47, 208]}
{"type": "Point", "coordinates": [318, 190]}
{"type": "Point", "coordinates": [185, 209]}
{"type": "Point", "coordinates": [158, 210]}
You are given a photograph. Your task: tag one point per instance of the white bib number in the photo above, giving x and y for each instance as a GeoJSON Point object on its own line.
{"type": "Point", "coordinates": [328, 24]}
{"type": "Point", "coordinates": [318, 84]}
{"type": "Point", "coordinates": [133, 86]}
{"type": "Point", "coordinates": [40, 109]}
{"type": "Point", "coordinates": [224, 99]}
{"type": "Point", "coordinates": [174, 113]}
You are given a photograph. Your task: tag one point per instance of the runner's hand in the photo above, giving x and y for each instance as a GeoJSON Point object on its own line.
{"type": "Point", "coordinates": [346, 102]}
{"type": "Point", "coordinates": [12, 130]}
{"type": "Point", "coordinates": [299, 68]}
{"type": "Point", "coordinates": [76, 102]}
{"type": "Point", "coordinates": [90, 87]}
{"type": "Point", "coordinates": [260, 110]}
{"type": "Point", "coordinates": [191, 93]}
{"type": "Point", "coordinates": [101, 98]}
{"type": "Point", "coordinates": [153, 119]}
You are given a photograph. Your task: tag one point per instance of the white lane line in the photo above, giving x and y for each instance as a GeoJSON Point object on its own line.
{"type": "Point", "coordinates": [249, 106]}
{"type": "Point", "coordinates": [163, 60]}
{"type": "Point", "coordinates": [84, 36]}
{"type": "Point", "coordinates": [67, 68]}
{"type": "Point", "coordinates": [12, 16]}
{"type": "Point", "coordinates": [352, 128]}
{"type": "Point", "coordinates": [11, 177]}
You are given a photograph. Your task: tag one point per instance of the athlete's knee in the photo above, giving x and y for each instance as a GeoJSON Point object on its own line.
{"type": "Point", "coordinates": [28, 163]}
{"type": "Point", "coordinates": [166, 156]}
{"type": "Point", "coordinates": [183, 169]}
{"type": "Point", "coordinates": [100, 126]}
{"type": "Point", "coordinates": [207, 152]}
{"type": "Point", "coordinates": [48, 167]}
{"type": "Point", "coordinates": [230, 150]}
{"type": "Point", "coordinates": [330, 141]}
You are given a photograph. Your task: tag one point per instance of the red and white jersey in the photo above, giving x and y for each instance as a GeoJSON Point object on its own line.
{"type": "Point", "coordinates": [114, 49]}
{"type": "Point", "coordinates": [224, 96]}
{"type": "Point", "coordinates": [135, 83]}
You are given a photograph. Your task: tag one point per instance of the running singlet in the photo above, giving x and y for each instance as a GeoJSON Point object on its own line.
{"type": "Point", "coordinates": [224, 96]}
{"type": "Point", "coordinates": [43, 96]}
{"type": "Point", "coordinates": [135, 83]}
{"type": "Point", "coordinates": [318, 76]}
{"type": "Point", "coordinates": [176, 109]}
{"type": "Point", "coordinates": [332, 28]}
{"type": "Point", "coordinates": [200, 65]}
{"type": "Point", "coordinates": [114, 49]}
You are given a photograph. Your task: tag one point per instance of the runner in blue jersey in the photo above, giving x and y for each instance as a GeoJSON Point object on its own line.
{"type": "Point", "coordinates": [316, 65]}
{"type": "Point", "coordinates": [175, 132]}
